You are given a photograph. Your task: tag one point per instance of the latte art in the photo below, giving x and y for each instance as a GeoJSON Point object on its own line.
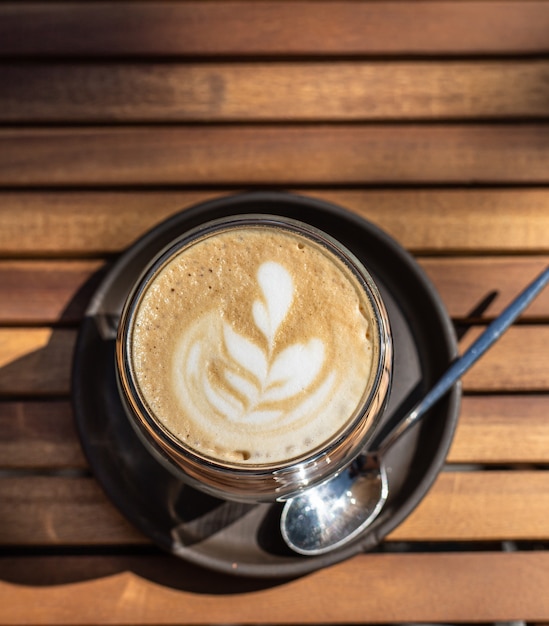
{"type": "Point", "coordinates": [247, 382]}
{"type": "Point", "coordinates": [253, 346]}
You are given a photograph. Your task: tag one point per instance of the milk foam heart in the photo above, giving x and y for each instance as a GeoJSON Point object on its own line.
{"type": "Point", "coordinates": [253, 345]}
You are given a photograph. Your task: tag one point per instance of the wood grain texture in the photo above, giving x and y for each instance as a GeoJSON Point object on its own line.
{"type": "Point", "coordinates": [97, 222]}
{"type": "Point", "coordinates": [46, 292]}
{"type": "Point", "coordinates": [444, 588]}
{"type": "Point", "coordinates": [502, 429]}
{"type": "Point", "coordinates": [57, 510]}
{"type": "Point", "coordinates": [39, 435]}
{"type": "Point", "coordinates": [313, 91]}
{"type": "Point", "coordinates": [43, 292]}
{"type": "Point", "coordinates": [427, 118]}
{"type": "Point", "coordinates": [38, 361]}
{"type": "Point", "coordinates": [491, 429]}
{"type": "Point", "coordinates": [86, 223]}
{"type": "Point", "coordinates": [464, 506]}
{"type": "Point", "coordinates": [35, 361]}
{"type": "Point", "coordinates": [464, 281]}
{"type": "Point", "coordinates": [519, 361]}
{"type": "Point", "coordinates": [481, 505]}
{"type": "Point", "coordinates": [274, 155]}
{"type": "Point", "coordinates": [99, 29]}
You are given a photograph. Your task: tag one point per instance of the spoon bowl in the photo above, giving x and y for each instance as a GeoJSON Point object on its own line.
{"type": "Point", "coordinates": [327, 517]}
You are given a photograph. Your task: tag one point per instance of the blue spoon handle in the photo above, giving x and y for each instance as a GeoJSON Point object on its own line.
{"type": "Point", "coordinates": [492, 333]}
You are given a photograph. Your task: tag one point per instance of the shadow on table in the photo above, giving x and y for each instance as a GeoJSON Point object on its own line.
{"type": "Point", "coordinates": [59, 567]}
{"type": "Point", "coordinates": [60, 561]}
{"type": "Point", "coordinates": [43, 545]}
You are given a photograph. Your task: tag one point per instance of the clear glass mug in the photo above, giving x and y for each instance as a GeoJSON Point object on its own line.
{"type": "Point", "coordinates": [254, 357]}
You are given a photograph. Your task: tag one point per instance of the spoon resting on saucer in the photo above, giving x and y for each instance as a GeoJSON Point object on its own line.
{"type": "Point", "coordinates": [327, 517]}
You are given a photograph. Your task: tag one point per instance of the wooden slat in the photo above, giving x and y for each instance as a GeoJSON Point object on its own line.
{"type": "Point", "coordinates": [39, 434]}
{"type": "Point", "coordinates": [460, 506]}
{"type": "Point", "coordinates": [38, 360]}
{"type": "Point", "coordinates": [61, 511]}
{"type": "Point", "coordinates": [85, 223]}
{"type": "Point", "coordinates": [464, 281]}
{"type": "Point", "coordinates": [481, 505]}
{"type": "Point", "coordinates": [442, 588]}
{"type": "Point", "coordinates": [491, 430]}
{"type": "Point", "coordinates": [43, 292]}
{"type": "Point", "coordinates": [280, 91]}
{"type": "Point", "coordinates": [35, 360]}
{"type": "Point", "coordinates": [473, 220]}
{"type": "Point", "coordinates": [518, 361]}
{"type": "Point", "coordinates": [182, 28]}
{"type": "Point", "coordinates": [275, 155]}
{"type": "Point", "coordinates": [502, 429]}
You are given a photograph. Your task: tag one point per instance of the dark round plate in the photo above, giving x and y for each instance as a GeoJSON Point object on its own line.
{"type": "Point", "coordinates": [239, 538]}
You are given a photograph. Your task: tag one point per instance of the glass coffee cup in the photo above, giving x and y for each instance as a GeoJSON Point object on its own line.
{"type": "Point", "coordinates": [254, 357]}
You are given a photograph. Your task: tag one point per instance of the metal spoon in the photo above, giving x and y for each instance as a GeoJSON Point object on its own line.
{"type": "Point", "coordinates": [329, 516]}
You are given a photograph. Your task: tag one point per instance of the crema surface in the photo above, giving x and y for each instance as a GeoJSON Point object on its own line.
{"type": "Point", "coordinates": [253, 345]}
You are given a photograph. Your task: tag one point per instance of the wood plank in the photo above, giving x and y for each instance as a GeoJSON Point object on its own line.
{"type": "Point", "coordinates": [102, 222]}
{"type": "Point", "coordinates": [463, 281]}
{"type": "Point", "coordinates": [502, 429]}
{"type": "Point", "coordinates": [85, 223]}
{"type": "Point", "coordinates": [519, 361]}
{"type": "Point", "coordinates": [45, 292]}
{"type": "Point", "coordinates": [39, 434]}
{"type": "Point", "coordinates": [442, 588]}
{"type": "Point", "coordinates": [35, 360]}
{"type": "Point", "coordinates": [38, 361]}
{"type": "Point", "coordinates": [491, 430]}
{"type": "Point", "coordinates": [61, 511]}
{"type": "Point", "coordinates": [481, 506]}
{"type": "Point", "coordinates": [29, 568]}
{"type": "Point", "coordinates": [461, 506]}
{"type": "Point", "coordinates": [313, 91]}
{"type": "Point", "coordinates": [271, 28]}
{"type": "Point", "coordinates": [274, 155]}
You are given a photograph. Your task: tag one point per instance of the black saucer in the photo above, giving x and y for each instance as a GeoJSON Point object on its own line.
{"type": "Point", "coordinates": [240, 538]}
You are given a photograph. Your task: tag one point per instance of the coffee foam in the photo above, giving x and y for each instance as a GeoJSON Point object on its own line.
{"type": "Point", "coordinates": [253, 346]}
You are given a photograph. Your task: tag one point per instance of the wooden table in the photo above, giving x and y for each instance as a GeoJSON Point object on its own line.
{"type": "Point", "coordinates": [427, 118]}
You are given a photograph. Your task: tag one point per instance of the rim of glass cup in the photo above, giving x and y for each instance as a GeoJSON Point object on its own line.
{"type": "Point", "coordinates": [241, 480]}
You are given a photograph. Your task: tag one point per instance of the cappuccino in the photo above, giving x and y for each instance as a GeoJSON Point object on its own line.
{"type": "Point", "coordinates": [253, 345]}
